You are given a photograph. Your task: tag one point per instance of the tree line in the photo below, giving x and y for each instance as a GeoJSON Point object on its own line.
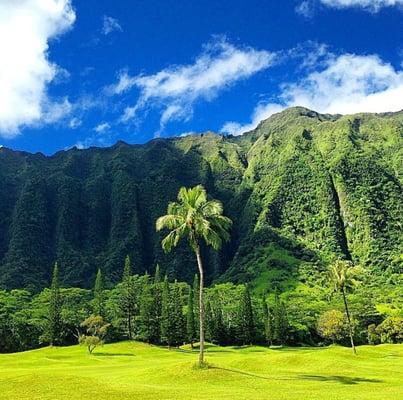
{"type": "Point", "coordinates": [157, 311]}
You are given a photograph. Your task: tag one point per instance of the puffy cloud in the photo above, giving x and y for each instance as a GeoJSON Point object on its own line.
{"type": "Point", "coordinates": [175, 90]}
{"type": "Point", "coordinates": [371, 5]}
{"type": "Point", "coordinates": [261, 112]}
{"type": "Point", "coordinates": [345, 84]}
{"type": "Point", "coordinates": [26, 27]}
{"type": "Point", "coordinates": [305, 8]}
{"type": "Point", "coordinates": [110, 25]}
{"type": "Point", "coordinates": [102, 127]}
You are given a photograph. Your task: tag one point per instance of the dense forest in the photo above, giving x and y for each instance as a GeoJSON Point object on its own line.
{"type": "Point", "coordinates": [156, 311]}
{"type": "Point", "coordinates": [302, 189]}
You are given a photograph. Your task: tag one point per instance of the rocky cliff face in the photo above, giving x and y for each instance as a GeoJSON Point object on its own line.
{"type": "Point", "coordinates": [302, 189]}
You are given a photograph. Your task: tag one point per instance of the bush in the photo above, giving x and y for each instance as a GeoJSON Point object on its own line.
{"type": "Point", "coordinates": [372, 335]}
{"type": "Point", "coordinates": [391, 330]}
{"type": "Point", "coordinates": [332, 326]}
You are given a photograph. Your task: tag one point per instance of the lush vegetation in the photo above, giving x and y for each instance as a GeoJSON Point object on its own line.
{"type": "Point", "coordinates": [139, 371]}
{"type": "Point", "coordinates": [302, 190]}
{"type": "Point", "coordinates": [156, 311]}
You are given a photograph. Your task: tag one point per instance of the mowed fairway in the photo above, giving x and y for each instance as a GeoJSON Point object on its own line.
{"type": "Point", "coordinates": [131, 370]}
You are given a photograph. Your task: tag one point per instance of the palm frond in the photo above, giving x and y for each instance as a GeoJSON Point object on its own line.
{"type": "Point", "coordinates": [169, 221]}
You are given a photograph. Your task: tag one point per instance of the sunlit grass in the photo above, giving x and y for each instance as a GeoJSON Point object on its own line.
{"type": "Point", "coordinates": [131, 370]}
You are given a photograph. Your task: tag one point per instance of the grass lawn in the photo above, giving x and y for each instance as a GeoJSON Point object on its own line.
{"type": "Point", "coordinates": [131, 370]}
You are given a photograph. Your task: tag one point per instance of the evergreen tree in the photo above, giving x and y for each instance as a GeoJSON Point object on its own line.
{"type": "Point", "coordinates": [166, 308]}
{"type": "Point", "coordinates": [245, 319]}
{"type": "Point", "coordinates": [156, 308]}
{"type": "Point", "coordinates": [177, 316]}
{"type": "Point", "coordinates": [146, 312]}
{"type": "Point", "coordinates": [128, 297]}
{"type": "Point", "coordinates": [267, 322]}
{"type": "Point", "coordinates": [215, 329]}
{"type": "Point", "coordinates": [280, 321]}
{"type": "Point", "coordinates": [157, 275]}
{"type": "Point", "coordinates": [190, 319]}
{"type": "Point", "coordinates": [98, 304]}
{"type": "Point", "coordinates": [54, 321]}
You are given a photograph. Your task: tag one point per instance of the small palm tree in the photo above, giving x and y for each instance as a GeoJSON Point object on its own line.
{"type": "Point", "coordinates": [343, 275]}
{"type": "Point", "coordinates": [197, 219]}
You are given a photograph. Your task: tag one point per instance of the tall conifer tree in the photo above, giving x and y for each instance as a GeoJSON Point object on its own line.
{"type": "Point", "coordinates": [99, 296]}
{"type": "Point", "coordinates": [54, 322]}
{"type": "Point", "coordinates": [246, 324]}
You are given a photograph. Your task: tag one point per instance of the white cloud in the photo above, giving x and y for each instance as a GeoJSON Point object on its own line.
{"type": "Point", "coordinates": [261, 112]}
{"type": "Point", "coordinates": [305, 9]}
{"type": "Point", "coordinates": [74, 123]}
{"type": "Point", "coordinates": [345, 84]}
{"type": "Point", "coordinates": [370, 5]}
{"type": "Point", "coordinates": [110, 25]}
{"type": "Point", "coordinates": [26, 27]}
{"type": "Point", "coordinates": [102, 127]}
{"type": "Point", "coordinates": [175, 90]}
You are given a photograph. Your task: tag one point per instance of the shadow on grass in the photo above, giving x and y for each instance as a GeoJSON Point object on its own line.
{"type": "Point", "coordinates": [345, 380]}
{"type": "Point", "coordinates": [251, 374]}
{"type": "Point", "coordinates": [114, 354]}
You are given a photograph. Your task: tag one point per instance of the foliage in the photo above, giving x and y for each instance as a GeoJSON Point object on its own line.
{"type": "Point", "coordinates": [95, 331]}
{"type": "Point", "coordinates": [391, 330]}
{"type": "Point", "coordinates": [332, 326]}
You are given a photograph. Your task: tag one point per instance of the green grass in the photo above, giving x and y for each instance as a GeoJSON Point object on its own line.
{"type": "Point", "coordinates": [131, 370]}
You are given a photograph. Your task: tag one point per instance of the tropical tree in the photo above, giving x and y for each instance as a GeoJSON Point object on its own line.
{"type": "Point", "coordinates": [96, 329]}
{"type": "Point", "coordinates": [343, 276]}
{"type": "Point", "coordinates": [198, 219]}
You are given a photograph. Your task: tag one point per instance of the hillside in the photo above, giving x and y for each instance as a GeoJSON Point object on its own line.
{"type": "Point", "coordinates": [128, 370]}
{"type": "Point", "coordinates": [302, 189]}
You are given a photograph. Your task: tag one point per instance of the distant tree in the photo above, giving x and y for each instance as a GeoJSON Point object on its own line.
{"type": "Point", "coordinates": [95, 331]}
{"type": "Point", "coordinates": [128, 296]}
{"type": "Point", "coordinates": [156, 307]}
{"type": "Point", "coordinates": [54, 320]}
{"type": "Point", "coordinates": [267, 322]}
{"type": "Point", "coordinates": [343, 276]}
{"type": "Point", "coordinates": [157, 275]}
{"type": "Point", "coordinates": [332, 326]}
{"type": "Point", "coordinates": [197, 219]}
{"type": "Point", "coordinates": [280, 321]}
{"type": "Point", "coordinates": [177, 316]}
{"type": "Point", "coordinates": [146, 311]}
{"type": "Point", "coordinates": [166, 322]}
{"type": "Point", "coordinates": [372, 335]}
{"type": "Point", "coordinates": [245, 318]}
{"type": "Point", "coordinates": [215, 328]}
{"type": "Point", "coordinates": [190, 319]}
{"type": "Point", "coordinates": [99, 297]}
{"type": "Point", "coordinates": [391, 330]}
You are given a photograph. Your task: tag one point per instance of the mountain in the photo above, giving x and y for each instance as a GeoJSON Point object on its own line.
{"type": "Point", "coordinates": [302, 189]}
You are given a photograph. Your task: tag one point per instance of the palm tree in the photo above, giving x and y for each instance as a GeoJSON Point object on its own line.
{"type": "Point", "coordinates": [197, 219]}
{"type": "Point", "coordinates": [343, 275]}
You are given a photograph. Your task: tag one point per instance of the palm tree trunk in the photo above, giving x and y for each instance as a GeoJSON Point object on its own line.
{"type": "Point", "coordinates": [349, 321]}
{"type": "Point", "coordinates": [201, 306]}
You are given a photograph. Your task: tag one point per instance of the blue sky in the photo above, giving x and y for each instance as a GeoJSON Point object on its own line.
{"type": "Point", "coordinates": [91, 72]}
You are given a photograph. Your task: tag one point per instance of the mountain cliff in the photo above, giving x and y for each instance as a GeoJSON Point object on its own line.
{"type": "Point", "coordinates": [302, 189]}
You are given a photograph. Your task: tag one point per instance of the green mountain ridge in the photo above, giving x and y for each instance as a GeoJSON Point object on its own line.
{"type": "Point", "coordinates": [302, 189]}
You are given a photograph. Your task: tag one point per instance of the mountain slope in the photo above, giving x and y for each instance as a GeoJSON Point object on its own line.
{"type": "Point", "coordinates": [302, 189]}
